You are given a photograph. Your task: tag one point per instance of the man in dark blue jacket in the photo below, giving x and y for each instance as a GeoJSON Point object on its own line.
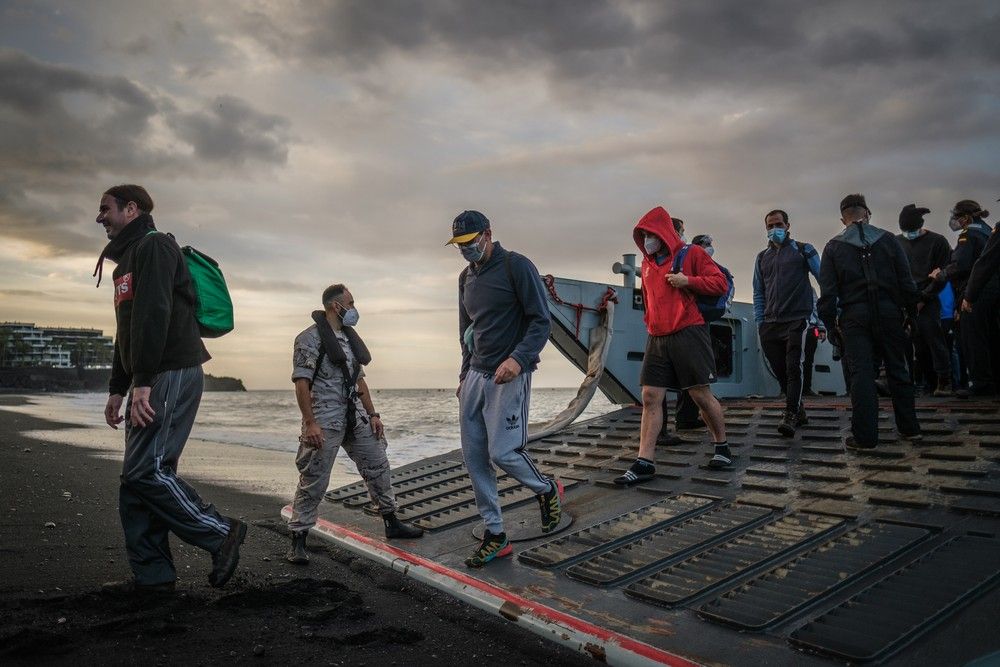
{"type": "Point", "coordinates": [503, 324]}
{"type": "Point", "coordinates": [865, 292]}
{"type": "Point", "coordinates": [158, 354]}
{"type": "Point", "coordinates": [782, 306]}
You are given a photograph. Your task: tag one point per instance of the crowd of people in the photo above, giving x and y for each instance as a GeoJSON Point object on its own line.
{"type": "Point", "coordinates": [908, 303]}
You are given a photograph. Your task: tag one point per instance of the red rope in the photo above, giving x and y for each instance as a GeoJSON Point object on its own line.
{"type": "Point", "coordinates": [609, 295]}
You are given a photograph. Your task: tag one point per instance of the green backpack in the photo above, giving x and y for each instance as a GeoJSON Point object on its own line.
{"type": "Point", "coordinates": [213, 305]}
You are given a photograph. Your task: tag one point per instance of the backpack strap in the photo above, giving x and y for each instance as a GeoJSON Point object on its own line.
{"type": "Point", "coordinates": [679, 258]}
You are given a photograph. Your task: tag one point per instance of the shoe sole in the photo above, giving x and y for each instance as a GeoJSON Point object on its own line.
{"type": "Point", "coordinates": [503, 553]}
{"type": "Point", "coordinates": [228, 574]}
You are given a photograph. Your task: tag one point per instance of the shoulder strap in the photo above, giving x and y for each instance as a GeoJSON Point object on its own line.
{"type": "Point", "coordinates": [510, 277]}
{"type": "Point", "coordinates": [679, 258]}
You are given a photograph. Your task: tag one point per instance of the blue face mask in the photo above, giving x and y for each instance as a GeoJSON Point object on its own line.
{"type": "Point", "coordinates": [472, 253]}
{"type": "Point", "coordinates": [350, 317]}
{"type": "Point", "coordinates": [912, 235]}
{"type": "Point", "coordinates": [776, 235]}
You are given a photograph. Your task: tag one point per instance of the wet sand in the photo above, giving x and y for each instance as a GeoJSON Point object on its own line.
{"type": "Point", "coordinates": [60, 538]}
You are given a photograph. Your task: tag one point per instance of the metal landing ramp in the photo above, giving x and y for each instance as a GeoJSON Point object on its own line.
{"type": "Point", "coordinates": [802, 554]}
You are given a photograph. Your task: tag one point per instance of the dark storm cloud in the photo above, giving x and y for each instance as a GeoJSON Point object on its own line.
{"type": "Point", "coordinates": [231, 131]}
{"type": "Point", "coordinates": [62, 129]}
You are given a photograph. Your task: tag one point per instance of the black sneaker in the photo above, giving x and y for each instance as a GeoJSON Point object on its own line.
{"type": "Point", "coordinates": [850, 444]}
{"type": "Point", "coordinates": [637, 473]}
{"type": "Point", "coordinates": [801, 419]}
{"type": "Point", "coordinates": [396, 529]}
{"type": "Point", "coordinates": [720, 462]}
{"type": "Point", "coordinates": [668, 439]}
{"type": "Point", "coordinates": [787, 425]}
{"type": "Point", "coordinates": [912, 437]}
{"type": "Point", "coordinates": [550, 504]}
{"type": "Point", "coordinates": [493, 547]}
{"type": "Point", "coordinates": [225, 560]}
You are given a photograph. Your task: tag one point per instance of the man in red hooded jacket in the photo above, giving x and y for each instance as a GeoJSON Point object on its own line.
{"type": "Point", "coordinates": [679, 350]}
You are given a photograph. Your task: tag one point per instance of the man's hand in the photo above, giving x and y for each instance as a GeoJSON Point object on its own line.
{"type": "Point", "coordinates": [677, 279]}
{"type": "Point", "coordinates": [507, 371]}
{"type": "Point", "coordinates": [377, 428]}
{"type": "Point", "coordinates": [312, 435]}
{"type": "Point", "coordinates": [142, 412]}
{"type": "Point", "coordinates": [966, 306]}
{"type": "Point", "coordinates": [934, 274]}
{"type": "Point", "coordinates": [113, 411]}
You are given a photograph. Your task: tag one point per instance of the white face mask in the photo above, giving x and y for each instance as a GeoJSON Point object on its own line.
{"type": "Point", "coordinates": [710, 250]}
{"type": "Point", "coordinates": [955, 224]}
{"type": "Point", "coordinates": [652, 245]}
{"type": "Point", "coordinates": [350, 317]}
{"type": "Point", "coordinates": [473, 253]}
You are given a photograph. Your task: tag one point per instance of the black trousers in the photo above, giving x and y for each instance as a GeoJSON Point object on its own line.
{"type": "Point", "coordinates": [784, 345]}
{"type": "Point", "coordinates": [812, 342]}
{"type": "Point", "coordinates": [863, 340]}
{"type": "Point", "coordinates": [979, 335]}
{"type": "Point", "coordinates": [929, 340]}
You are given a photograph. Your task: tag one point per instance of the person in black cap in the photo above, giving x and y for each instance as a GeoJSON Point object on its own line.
{"type": "Point", "coordinates": [927, 251]}
{"type": "Point", "coordinates": [503, 324]}
{"type": "Point", "coordinates": [865, 292]}
{"type": "Point", "coordinates": [977, 328]}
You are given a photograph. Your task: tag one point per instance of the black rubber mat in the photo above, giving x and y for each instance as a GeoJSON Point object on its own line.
{"type": "Point", "coordinates": [614, 532]}
{"type": "Point", "coordinates": [704, 571]}
{"type": "Point", "coordinates": [886, 616]}
{"type": "Point", "coordinates": [441, 482]}
{"type": "Point", "coordinates": [667, 544]}
{"type": "Point", "coordinates": [790, 587]}
{"type": "Point", "coordinates": [361, 489]}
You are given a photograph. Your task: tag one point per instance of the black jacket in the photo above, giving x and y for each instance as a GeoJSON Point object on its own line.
{"type": "Point", "coordinates": [842, 282]}
{"type": "Point", "coordinates": [970, 245]}
{"type": "Point", "coordinates": [154, 307]}
{"type": "Point", "coordinates": [986, 267]}
{"type": "Point", "coordinates": [925, 253]}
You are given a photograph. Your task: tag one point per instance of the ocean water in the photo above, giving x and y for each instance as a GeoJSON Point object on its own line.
{"type": "Point", "coordinates": [419, 422]}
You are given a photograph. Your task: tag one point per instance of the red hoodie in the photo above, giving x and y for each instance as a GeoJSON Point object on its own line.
{"type": "Point", "coordinates": [670, 309]}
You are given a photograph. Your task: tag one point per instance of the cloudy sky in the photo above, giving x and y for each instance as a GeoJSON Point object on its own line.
{"type": "Point", "coordinates": [306, 143]}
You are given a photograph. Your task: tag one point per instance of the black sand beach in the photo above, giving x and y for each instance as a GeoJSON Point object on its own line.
{"type": "Point", "coordinates": [60, 539]}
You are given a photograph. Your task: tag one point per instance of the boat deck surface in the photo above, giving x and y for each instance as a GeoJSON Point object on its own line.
{"type": "Point", "coordinates": [802, 554]}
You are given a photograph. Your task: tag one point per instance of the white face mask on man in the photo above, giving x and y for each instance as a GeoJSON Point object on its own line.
{"type": "Point", "coordinates": [350, 317]}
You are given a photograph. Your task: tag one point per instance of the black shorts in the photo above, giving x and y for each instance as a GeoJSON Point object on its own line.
{"type": "Point", "coordinates": [679, 360]}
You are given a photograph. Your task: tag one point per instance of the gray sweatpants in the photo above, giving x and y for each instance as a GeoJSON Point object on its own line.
{"type": "Point", "coordinates": [152, 499]}
{"type": "Point", "coordinates": [494, 424]}
{"type": "Point", "coordinates": [367, 452]}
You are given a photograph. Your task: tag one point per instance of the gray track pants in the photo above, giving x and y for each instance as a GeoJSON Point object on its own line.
{"type": "Point", "coordinates": [494, 425]}
{"type": "Point", "coordinates": [152, 500]}
{"type": "Point", "coordinates": [367, 452]}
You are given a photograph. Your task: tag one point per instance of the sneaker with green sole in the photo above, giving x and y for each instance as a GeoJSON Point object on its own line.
{"type": "Point", "coordinates": [493, 547]}
{"type": "Point", "coordinates": [550, 503]}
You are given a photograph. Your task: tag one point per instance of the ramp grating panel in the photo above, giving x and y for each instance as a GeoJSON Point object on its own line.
{"type": "Point", "coordinates": [361, 489]}
{"type": "Point", "coordinates": [701, 572]}
{"type": "Point", "coordinates": [667, 544]}
{"type": "Point", "coordinates": [787, 589]}
{"type": "Point", "coordinates": [445, 480]}
{"type": "Point", "coordinates": [895, 610]}
{"type": "Point", "coordinates": [613, 532]}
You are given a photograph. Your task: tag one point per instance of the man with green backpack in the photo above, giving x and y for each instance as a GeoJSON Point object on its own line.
{"type": "Point", "coordinates": [158, 356]}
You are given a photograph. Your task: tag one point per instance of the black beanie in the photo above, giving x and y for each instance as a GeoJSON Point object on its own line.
{"type": "Point", "coordinates": [911, 218]}
{"type": "Point", "coordinates": [850, 201]}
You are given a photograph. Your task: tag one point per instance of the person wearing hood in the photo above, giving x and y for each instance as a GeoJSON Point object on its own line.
{"type": "Point", "coordinates": [977, 326]}
{"type": "Point", "coordinates": [337, 411]}
{"type": "Point", "coordinates": [866, 290]}
{"type": "Point", "coordinates": [679, 349]}
{"type": "Point", "coordinates": [927, 252]}
{"type": "Point", "coordinates": [782, 306]}
{"type": "Point", "coordinates": [157, 361]}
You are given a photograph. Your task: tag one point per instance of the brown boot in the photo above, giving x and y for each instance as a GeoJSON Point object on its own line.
{"type": "Point", "coordinates": [943, 386]}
